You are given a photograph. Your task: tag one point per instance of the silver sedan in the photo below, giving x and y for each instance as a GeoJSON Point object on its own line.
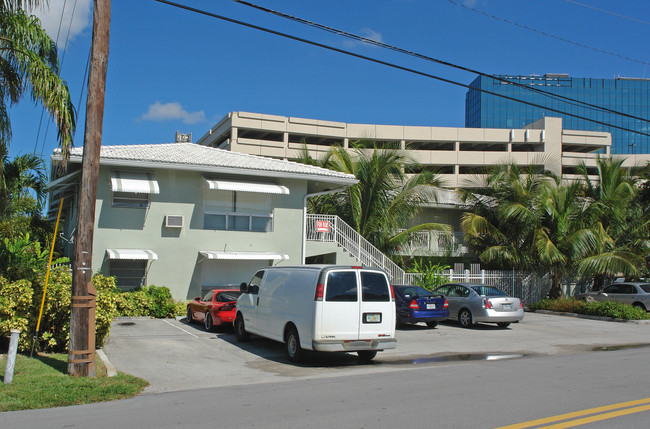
{"type": "Point", "coordinates": [632, 293]}
{"type": "Point", "coordinates": [470, 303]}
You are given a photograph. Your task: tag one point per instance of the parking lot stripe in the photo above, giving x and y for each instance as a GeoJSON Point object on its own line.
{"type": "Point", "coordinates": [575, 414]}
{"type": "Point", "coordinates": [178, 327]}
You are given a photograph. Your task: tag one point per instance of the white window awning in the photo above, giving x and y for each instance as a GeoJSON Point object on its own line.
{"type": "Point", "coordinates": [134, 182]}
{"type": "Point", "coordinates": [131, 254]}
{"type": "Point", "coordinates": [260, 188]}
{"type": "Point", "coordinates": [244, 256]}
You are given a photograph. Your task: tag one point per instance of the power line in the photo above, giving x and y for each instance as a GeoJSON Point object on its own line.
{"type": "Point", "coordinates": [570, 101]}
{"type": "Point", "coordinates": [606, 11]}
{"type": "Point", "coordinates": [392, 65]}
{"type": "Point", "coordinates": [543, 33]}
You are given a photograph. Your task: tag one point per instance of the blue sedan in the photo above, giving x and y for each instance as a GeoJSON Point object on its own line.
{"type": "Point", "coordinates": [415, 304]}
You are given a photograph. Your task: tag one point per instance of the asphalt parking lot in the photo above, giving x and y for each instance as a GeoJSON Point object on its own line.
{"type": "Point", "coordinates": [173, 355]}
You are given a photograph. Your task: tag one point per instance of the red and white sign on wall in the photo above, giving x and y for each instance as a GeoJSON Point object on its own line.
{"type": "Point", "coordinates": [322, 226]}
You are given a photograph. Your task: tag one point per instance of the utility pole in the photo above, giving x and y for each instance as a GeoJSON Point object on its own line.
{"type": "Point", "coordinates": [81, 356]}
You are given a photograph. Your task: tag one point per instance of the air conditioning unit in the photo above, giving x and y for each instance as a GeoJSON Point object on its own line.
{"type": "Point", "coordinates": [174, 221]}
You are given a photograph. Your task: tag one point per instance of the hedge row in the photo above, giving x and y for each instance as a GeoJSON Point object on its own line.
{"type": "Point", "coordinates": [615, 310]}
{"type": "Point", "coordinates": [20, 303]}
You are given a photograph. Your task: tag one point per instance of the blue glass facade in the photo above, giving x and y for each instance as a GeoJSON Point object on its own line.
{"type": "Point", "coordinates": [626, 95]}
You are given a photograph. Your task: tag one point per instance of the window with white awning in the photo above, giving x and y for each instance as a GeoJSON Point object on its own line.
{"type": "Point", "coordinates": [245, 256]}
{"type": "Point", "coordinates": [129, 266]}
{"type": "Point", "coordinates": [132, 188]}
{"type": "Point", "coordinates": [239, 206]}
{"type": "Point", "coordinates": [260, 188]}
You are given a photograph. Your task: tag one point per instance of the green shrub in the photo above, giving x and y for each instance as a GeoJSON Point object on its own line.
{"type": "Point", "coordinates": [15, 306]}
{"type": "Point", "coordinates": [612, 309]}
{"type": "Point", "coordinates": [162, 304]}
{"type": "Point", "coordinates": [152, 301]}
{"type": "Point", "coordinates": [132, 303]}
{"type": "Point", "coordinates": [430, 275]}
{"type": "Point", "coordinates": [20, 304]}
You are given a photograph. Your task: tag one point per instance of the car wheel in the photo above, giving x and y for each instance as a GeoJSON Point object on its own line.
{"type": "Point", "coordinates": [240, 329]}
{"type": "Point", "coordinates": [432, 324]}
{"type": "Point", "coordinates": [465, 318]}
{"type": "Point", "coordinates": [367, 355]}
{"type": "Point", "coordinates": [295, 353]}
{"type": "Point", "coordinates": [208, 321]}
{"type": "Point", "coordinates": [189, 317]}
{"type": "Point", "coordinates": [503, 324]}
{"type": "Point", "coordinates": [639, 305]}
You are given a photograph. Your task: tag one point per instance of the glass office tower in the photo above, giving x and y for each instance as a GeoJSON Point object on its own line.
{"type": "Point", "coordinates": [627, 95]}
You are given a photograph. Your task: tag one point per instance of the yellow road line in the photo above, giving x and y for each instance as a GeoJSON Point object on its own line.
{"type": "Point", "coordinates": [582, 413]}
{"type": "Point", "coordinates": [598, 417]}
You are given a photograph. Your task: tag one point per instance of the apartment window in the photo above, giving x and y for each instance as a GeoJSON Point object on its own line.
{"type": "Point", "coordinates": [129, 274]}
{"type": "Point", "coordinates": [132, 188]}
{"type": "Point", "coordinates": [132, 200]}
{"type": "Point", "coordinates": [238, 211]}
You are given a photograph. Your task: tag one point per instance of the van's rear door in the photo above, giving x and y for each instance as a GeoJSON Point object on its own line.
{"type": "Point", "coordinates": [340, 309]}
{"type": "Point", "coordinates": [357, 305]}
{"type": "Point", "coordinates": [377, 308]}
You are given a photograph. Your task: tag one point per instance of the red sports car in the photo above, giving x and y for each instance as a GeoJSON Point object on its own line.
{"type": "Point", "coordinates": [217, 308]}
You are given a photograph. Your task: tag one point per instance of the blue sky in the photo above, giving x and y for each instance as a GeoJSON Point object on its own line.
{"type": "Point", "coordinates": [170, 69]}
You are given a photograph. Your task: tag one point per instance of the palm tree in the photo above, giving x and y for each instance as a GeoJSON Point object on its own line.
{"type": "Point", "coordinates": [29, 60]}
{"type": "Point", "coordinates": [505, 216]}
{"type": "Point", "coordinates": [542, 223]}
{"type": "Point", "coordinates": [384, 200]}
{"type": "Point", "coordinates": [21, 178]}
{"type": "Point", "coordinates": [623, 225]}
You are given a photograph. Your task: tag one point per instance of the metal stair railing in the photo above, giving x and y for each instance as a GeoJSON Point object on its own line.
{"type": "Point", "coordinates": [330, 228]}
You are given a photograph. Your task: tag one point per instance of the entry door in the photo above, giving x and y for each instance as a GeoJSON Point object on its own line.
{"type": "Point", "coordinates": [341, 306]}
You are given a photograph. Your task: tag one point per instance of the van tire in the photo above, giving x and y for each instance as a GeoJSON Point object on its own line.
{"type": "Point", "coordinates": [295, 353]}
{"type": "Point", "coordinates": [367, 355]}
{"type": "Point", "coordinates": [240, 329]}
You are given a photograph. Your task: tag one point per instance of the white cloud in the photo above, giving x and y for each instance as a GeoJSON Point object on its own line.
{"type": "Point", "coordinates": [77, 17]}
{"type": "Point", "coordinates": [368, 33]}
{"type": "Point", "coordinates": [170, 111]}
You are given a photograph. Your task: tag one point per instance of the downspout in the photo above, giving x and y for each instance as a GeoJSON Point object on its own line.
{"type": "Point", "coordinates": [304, 217]}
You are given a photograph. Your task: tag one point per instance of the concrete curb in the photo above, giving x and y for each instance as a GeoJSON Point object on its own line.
{"type": "Point", "coordinates": [585, 316]}
{"type": "Point", "coordinates": [110, 369]}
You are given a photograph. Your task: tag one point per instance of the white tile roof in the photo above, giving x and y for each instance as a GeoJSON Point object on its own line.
{"type": "Point", "coordinates": [194, 156]}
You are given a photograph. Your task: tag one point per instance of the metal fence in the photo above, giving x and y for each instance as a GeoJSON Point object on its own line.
{"type": "Point", "coordinates": [529, 287]}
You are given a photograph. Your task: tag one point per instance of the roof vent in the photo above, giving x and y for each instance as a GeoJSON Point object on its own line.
{"type": "Point", "coordinates": [183, 138]}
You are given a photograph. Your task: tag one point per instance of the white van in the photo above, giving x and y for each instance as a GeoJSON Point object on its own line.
{"type": "Point", "coordinates": [319, 307]}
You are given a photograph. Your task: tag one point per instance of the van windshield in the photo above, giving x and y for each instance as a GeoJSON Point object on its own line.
{"type": "Point", "coordinates": [375, 287]}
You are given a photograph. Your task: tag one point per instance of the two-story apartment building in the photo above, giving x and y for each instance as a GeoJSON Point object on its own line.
{"type": "Point", "coordinates": [191, 217]}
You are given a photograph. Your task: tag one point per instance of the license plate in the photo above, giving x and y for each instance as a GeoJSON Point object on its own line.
{"type": "Point", "coordinates": [431, 306]}
{"type": "Point", "coordinates": [507, 306]}
{"type": "Point", "coordinates": [371, 317]}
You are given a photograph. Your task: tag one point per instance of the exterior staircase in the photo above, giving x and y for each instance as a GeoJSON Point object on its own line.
{"type": "Point", "coordinates": [329, 228]}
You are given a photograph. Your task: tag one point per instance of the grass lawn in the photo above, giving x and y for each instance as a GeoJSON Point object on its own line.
{"type": "Point", "coordinates": [42, 382]}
